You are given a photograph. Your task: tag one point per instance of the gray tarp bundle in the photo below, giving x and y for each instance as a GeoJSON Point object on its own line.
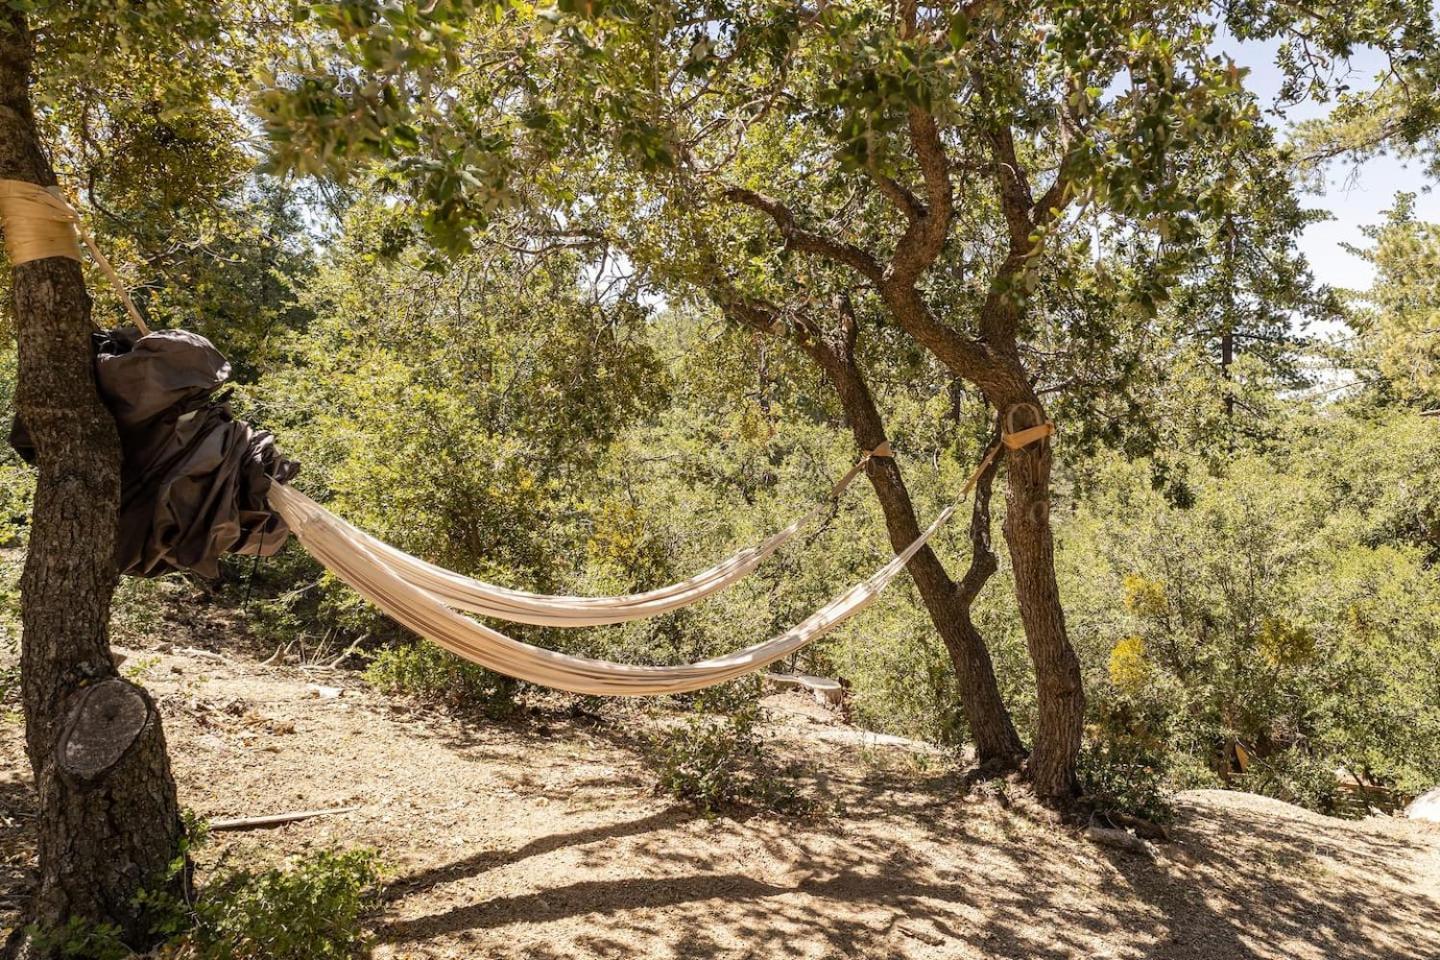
{"type": "Point", "coordinates": [194, 479]}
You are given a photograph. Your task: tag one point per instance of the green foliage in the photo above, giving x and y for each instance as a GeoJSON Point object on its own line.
{"type": "Point", "coordinates": [901, 679]}
{"type": "Point", "coordinates": [1398, 323]}
{"type": "Point", "coordinates": [460, 411]}
{"type": "Point", "coordinates": [308, 910]}
{"type": "Point", "coordinates": [10, 567]}
{"type": "Point", "coordinates": [79, 939]}
{"type": "Point", "coordinates": [140, 107]}
{"type": "Point", "coordinates": [1248, 632]}
{"type": "Point", "coordinates": [1300, 777]}
{"type": "Point", "coordinates": [433, 677]}
{"type": "Point", "coordinates": [717, 760]}
{"type": "Point", "coordinates": [654, 88]}
{"type": "Point", "coordinates": [310, 907]}
{"type": "Point", "coordinates": [1122, 773]}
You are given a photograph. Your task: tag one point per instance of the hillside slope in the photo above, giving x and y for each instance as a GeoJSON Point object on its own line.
{"type": "Point", "coordinates": [543, 839]}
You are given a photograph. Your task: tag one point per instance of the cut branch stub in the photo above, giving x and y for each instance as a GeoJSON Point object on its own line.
{"type": "Point", "coordinates": [104, 720]}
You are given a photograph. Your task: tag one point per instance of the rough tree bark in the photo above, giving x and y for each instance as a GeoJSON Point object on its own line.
{"type": "Point", "coordinates": [997, 745]}
{"type": "Point", "coordinates": [1061, 696]}
{"type": "Point", "coordinates": [109, 822]}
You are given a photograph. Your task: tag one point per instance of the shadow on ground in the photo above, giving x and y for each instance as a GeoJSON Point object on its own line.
{"type": "Point", "coordinates": [912, 871]}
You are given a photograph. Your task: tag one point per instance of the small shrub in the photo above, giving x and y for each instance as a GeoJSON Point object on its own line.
{"type": "Point", "coordinates": [1297, 777]}
{"type": "Point", "coordinates": [309, 910]}
{"type": "Point", "coordinates": [1125, 774]}
{"type": "Point", "coordinates": [719, 761]}
{"type": "Point", "coordinates": [79, 939]}
{"type": "Point", "coordinates": [434, 677]}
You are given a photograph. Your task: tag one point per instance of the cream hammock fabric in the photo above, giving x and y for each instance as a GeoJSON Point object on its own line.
{"type": "Point", "coordinates": [401, 586]}
{"type": "Point", "coordinates": [352, 559]}
{"type": "Point", "coordinates": [517, 606]}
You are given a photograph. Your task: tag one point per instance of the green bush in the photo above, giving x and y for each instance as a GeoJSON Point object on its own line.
{"type": "Point", "coordinates": [1125, 774]}
{"type": "Point", "coordinates": [1254, 617]}
{"type": "Point", "coordinates": [309, 910]}
{"type": "Point", "coordinates": [434, 677]}
{"type": "Point", "coordinates": [1296, 776]}
{"type": "Point", "coordinates": [79, 939]}
{"type": "Point", "coordinates": [719, 761]}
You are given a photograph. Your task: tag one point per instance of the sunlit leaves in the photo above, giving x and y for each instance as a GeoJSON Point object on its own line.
{"type": "Point", "coordinates": [1399, 317]}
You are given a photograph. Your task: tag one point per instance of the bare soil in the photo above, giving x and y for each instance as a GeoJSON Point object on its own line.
{"type": "Point", "coordinates": [543, 838]}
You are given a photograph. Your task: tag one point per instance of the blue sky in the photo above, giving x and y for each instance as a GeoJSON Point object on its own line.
{"type": "Point", "coordinates": [1354, 196]}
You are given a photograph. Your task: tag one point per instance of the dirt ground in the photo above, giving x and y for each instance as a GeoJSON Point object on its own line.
{"type": "Point", "coordinates": [542, 838]}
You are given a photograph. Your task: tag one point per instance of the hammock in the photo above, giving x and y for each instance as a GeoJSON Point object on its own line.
{"type": "Point", "coordinates": [332, 542]}
{"type": "Point", "coordinates": [374, 574]}
{"type": "Point", "coordinates": [517, 606]}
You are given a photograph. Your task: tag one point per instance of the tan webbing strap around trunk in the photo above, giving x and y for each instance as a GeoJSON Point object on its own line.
{"type": "Point", "coordinates": [39, 223]}
{"type": "Point", "coordinates": [1015, 439]}
{"type": "Point", "coordinates": [1024, 438]}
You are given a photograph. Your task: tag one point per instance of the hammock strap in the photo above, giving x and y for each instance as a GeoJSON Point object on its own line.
{"type": "Point", "coordinates": [39, 223]}
{"type": "Point", "coordinates": [1015, 439]}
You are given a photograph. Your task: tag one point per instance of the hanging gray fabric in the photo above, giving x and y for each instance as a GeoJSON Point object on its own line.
{"type": "Point", "coordinates": [193, 479]}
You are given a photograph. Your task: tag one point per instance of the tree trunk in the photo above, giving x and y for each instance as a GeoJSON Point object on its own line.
{"type": "Point", "coordinates": [109, 822]}
{"type": "Point", "coordinates": [997, 745]}
{"type": "Point", "coordinates": [1061, 694]}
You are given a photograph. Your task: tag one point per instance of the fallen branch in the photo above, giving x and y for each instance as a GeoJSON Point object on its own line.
{"type": "Point", "coordinates": [333, 664]}
{"type": "Point", "coordinates": [199, 654]}
{"type": "Point", "coordinates": [1119, 839]}
{"type": "Point", "coordinates": [275, 819]}
{"type": "Point", "coordinates": [921, 934]}
{"type": "Point", "coordinates": [280, 649]}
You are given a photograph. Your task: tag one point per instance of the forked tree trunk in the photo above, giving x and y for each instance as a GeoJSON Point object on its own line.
{"type": "Point", "coordinates": [997, 745]}
{"type": "Point", "coordinates": [109, 822]}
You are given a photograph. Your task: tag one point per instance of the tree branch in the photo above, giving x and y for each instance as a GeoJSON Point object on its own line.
{"type": "Point", "coordinates": [897, 193]}
{"type": "Point", "coordinates": [924, 238]}
{"type": "Point", "coordinates": [1016, 201]}
{"type": "Point", "coordinates": [807, 241]}
{"type": "Point", "coordinates": [965, 356]}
